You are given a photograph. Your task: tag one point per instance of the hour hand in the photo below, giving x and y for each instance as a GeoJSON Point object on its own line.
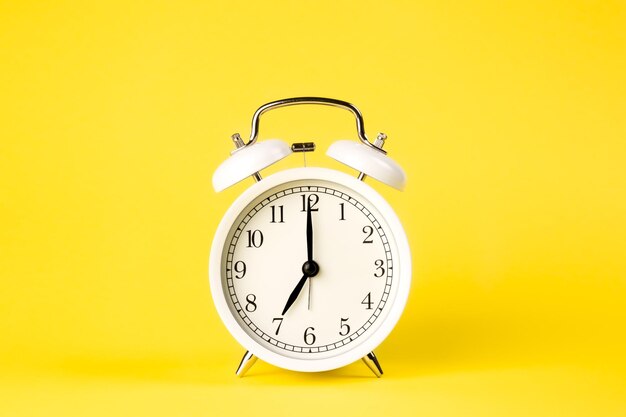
{"type": "Point", "coordinates": [309, 270]}
{"type": "Point", "coordinates": [294, 294]}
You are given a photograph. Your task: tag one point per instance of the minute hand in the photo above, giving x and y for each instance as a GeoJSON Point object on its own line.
{"type": "Point", "coordinates": [309, 233]}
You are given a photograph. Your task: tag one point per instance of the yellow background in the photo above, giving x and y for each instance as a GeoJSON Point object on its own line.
{"type": "Point", "coordinates": [509, 118]}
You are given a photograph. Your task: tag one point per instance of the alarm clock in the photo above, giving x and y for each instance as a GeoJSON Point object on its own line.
{"type": "Point", "coordinates": [310, 268]}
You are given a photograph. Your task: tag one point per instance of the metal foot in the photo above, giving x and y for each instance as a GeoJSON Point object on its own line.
{"type": "Point", "coordinates": [372, 362]}
{"type": "Point", "coordinates": [246, 363]}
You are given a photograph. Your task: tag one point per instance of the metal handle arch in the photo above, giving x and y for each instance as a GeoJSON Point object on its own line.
{"type": "Point", "coordinates": [311, 100]}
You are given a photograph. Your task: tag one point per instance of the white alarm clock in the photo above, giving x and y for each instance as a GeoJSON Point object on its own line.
{"type": "Point", "coordinates": [310, 268]}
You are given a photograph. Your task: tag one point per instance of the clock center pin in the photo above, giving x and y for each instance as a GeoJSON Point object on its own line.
{"type": "Point", "coordinates": [310, 268]}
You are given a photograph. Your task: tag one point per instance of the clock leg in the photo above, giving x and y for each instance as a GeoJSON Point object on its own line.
{"type": "Point", "coordinates": [372, 362]}
{"type": "Point", "coordinates": [246, 363]}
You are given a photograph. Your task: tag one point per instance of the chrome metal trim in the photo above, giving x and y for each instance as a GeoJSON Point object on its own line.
{"type": "Point", "coordinates": [372, 362]}
{"type": "Point", "coordinates": [246, 363]}
{"type": "Point", "coordinates": [311, 100]}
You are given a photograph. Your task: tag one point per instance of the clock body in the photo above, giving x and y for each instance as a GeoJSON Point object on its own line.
{"type": "Point", "coordinates": [345, 310]}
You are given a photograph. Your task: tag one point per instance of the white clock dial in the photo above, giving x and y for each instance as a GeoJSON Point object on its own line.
{"type": "Point", "coordinates": [264, 257]}
{"type": "Point", "coordinates": [310, 306]}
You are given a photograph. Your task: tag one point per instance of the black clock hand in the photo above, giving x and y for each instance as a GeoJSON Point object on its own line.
{"type": "Point", "coordinates": [309, 243]}
{"type": "Point", "coordinates": [309, 270]}
{"type": "Point", "coordinates": [294, 294]}
{"type": "Point", "coordinates": [310, 267]}
{"type": "Point", "coordinates": [309, 233]}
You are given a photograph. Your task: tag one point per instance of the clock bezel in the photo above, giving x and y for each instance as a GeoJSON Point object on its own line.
{"type": "Point", "coordinates": [402, 271]}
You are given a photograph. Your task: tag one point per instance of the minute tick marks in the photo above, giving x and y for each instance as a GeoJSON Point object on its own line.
{"type": "Point", "coordinates": [332, 244]}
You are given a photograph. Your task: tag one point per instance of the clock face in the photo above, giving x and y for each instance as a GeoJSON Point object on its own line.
{"type": "Point", "coordinates": [308, 269]}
